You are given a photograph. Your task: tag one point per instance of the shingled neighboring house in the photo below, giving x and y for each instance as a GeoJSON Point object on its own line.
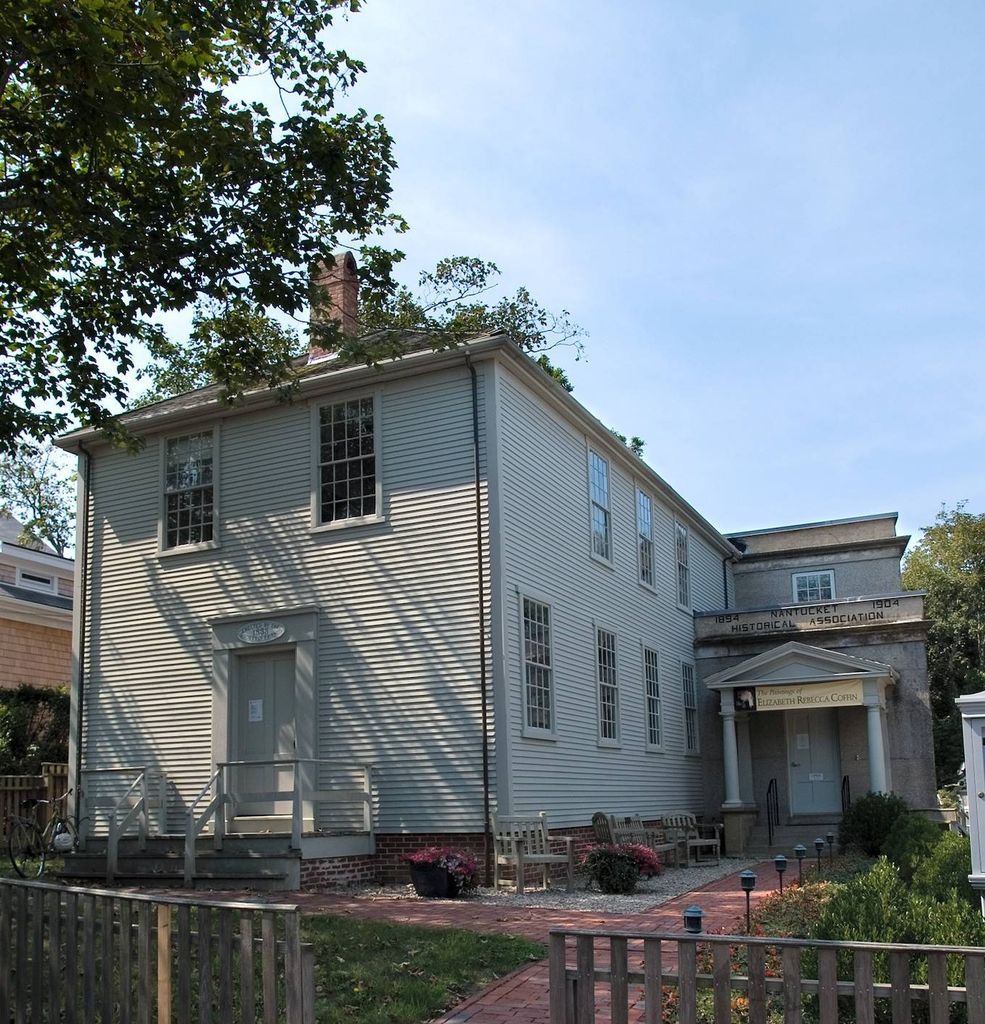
{"type": "Point", "coordinates": [321, 633]}
{"type": "Point", "coordinates": [35, 611]}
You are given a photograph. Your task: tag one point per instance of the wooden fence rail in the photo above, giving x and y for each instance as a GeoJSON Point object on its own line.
{"type": "Point", "coordinates": [91, 956]}
{"type": "Point", "coordinates": [49, 785]}
{"type": "Point", "coordinates": [701, 977]}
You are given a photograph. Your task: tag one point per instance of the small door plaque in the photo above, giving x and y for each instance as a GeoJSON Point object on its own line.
{"type": "Point", "coordinates": [260, 632]}
{"type": "Point", "coordinates": [816, 777]}
{"type": "Point", "coordinates": [803, 741]}
{"type": "Point", "coordinates": [256, 710]}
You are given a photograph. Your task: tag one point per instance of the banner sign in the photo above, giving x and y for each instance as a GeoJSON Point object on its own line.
{"type": "Point", "coordinates": [803, 696]}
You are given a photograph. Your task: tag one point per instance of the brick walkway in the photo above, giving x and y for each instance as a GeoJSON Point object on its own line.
{"type": "Point", "coordinates": [522, 997]}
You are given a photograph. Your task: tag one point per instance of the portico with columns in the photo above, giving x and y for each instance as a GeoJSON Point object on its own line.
{"type": "Point", "coordinates": [794, 717]}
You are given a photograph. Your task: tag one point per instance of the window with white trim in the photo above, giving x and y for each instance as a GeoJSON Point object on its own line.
{"type": "Point", "coordinates": [348, 475]}
{"type": "Point", "coordinates": [644, 528]}
{"type": "Point", "coordinates": [690, 708]}
{"type": "Point", "coordinates": [35, 581]}
{"type": "Point", "coordinates": [538, 669]}
{"type": "Point", "coordinates": [189, 489]}
{"type": "Point", "coordinates": [683, 569]}
{"type": "Point", "coordinates": [651, 696]}
{"type": "Point", "coordinates": [601, 525]}
{"type": "Point", "coordinates": [608, 686]}
{"type": "Point", "coordinates": [813, 586]}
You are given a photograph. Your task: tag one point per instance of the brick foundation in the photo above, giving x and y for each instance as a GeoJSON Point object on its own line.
{"type": "Point", "coordinates": [387, 865]}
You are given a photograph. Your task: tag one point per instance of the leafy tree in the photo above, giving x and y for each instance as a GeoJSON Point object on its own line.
{"type": "Point", "coordinates": [33, 728]}
{"type": "Point", "coordinates": [37, 488]}
{"type": "Point", "coordinates": [134, 181]}
{"type": "Point", "coordinates": [949, 563]}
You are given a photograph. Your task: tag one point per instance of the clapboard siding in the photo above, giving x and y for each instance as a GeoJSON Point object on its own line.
{"type": "Point", "coordinates": [397, 672]}
{"type": "Point", "coordinates": [545, 538]}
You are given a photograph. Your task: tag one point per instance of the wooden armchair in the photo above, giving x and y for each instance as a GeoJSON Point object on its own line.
{"type": "Point", "coordinates": [685, 831]}
{"type": "Point", "coordinates": [522, 841]}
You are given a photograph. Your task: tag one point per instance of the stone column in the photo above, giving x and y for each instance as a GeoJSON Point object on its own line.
{"type": "Point", "coordinates": [730, 752]}
{"type": "Point", "coordinates": [877, 750]}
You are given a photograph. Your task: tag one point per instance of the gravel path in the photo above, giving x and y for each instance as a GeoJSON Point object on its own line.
{"type": "Point", "coordinates": [649, 893]}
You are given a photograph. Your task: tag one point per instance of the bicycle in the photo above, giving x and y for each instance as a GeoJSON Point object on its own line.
{"type": "Point", "coordinates": [28, 844]}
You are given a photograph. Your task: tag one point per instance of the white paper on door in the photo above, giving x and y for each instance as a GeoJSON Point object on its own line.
{"type": "Point", "coordinates": [256, 710]}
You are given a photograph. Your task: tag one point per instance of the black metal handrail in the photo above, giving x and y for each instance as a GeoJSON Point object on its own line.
{"type": "Point", "coordinates": [772, 808]}
{"type": "Point", "coordinates": [846, 794]}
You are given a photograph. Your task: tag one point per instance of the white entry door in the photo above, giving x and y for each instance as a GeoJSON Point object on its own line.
{"type": "Point", "coordinates": [264, 729]}
{"type": "Point", "coordinates": [815, 761]}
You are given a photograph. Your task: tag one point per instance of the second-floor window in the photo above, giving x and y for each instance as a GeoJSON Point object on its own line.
{"type": "Point", "coordinates": [189, 490]}
{"type": "Point", "coordinates": [644, 525]}
{"type": "Point", "coordinates": [608, 686]}
{"type": "Point", "coordinates": [347, 460]}
{"type": "Point", "coordinates": [683, 566]}
{"type": "Point", "coordinates": [813, 586]}
{"type": "Point", "coordinates": [601, 522]}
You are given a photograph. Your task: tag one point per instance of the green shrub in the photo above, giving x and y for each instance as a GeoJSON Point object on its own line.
{"type": "Point", "coordinates": [33, 728]}
{"type": "Point", "coordinates": [910, 840]}
{"type": "Point", "coordinates": [868, 822]}
{"type": "Point", "coordinates": [794, 913]}
{"type": "Point", "coordinates": [612, 869]}
{"type": "Point", "coordinates": [945, 869]}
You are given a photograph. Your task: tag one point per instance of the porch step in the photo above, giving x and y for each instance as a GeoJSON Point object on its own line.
{"type": "Point", "coordinates": [786, 837]}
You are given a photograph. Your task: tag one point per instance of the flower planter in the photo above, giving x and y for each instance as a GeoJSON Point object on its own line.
{"type": "Point", "coordinates": [435, 881]}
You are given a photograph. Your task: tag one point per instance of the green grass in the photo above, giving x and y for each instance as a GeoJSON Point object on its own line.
{"type": "Point", "coordinates": [373, 972]}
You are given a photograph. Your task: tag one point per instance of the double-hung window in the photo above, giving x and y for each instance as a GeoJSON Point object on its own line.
{"type": "Point", "coordinates": [814, 586]}
{"type": "Point", "coordinates": [348, 461]}
{"type": "Point", "coordinates": [690, 708]}
{"type": "Point", "coordinates": [538, 667]}
{"type": "Point", "coordinates": [189, 490]}
{"type": "Point", "coordinates": [608, 683]}
{"type": "Point", "coordinates": [651, 697]}
{"type": "Point", "coordinates": [683, 568]}
{"type": "Point", "coordinates": [644, 527]}
{"type": "Point", "coordinates": [598, 469]}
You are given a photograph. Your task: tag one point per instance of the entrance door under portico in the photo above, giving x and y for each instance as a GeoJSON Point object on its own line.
{"type": "Point", "coordinates": [814, 761]}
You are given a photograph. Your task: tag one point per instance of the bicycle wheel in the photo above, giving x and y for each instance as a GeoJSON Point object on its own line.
{"type": "Point", "coordinates": [26, 849]}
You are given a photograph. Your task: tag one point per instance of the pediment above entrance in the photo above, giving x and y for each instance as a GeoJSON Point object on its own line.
{"type": "Point", "coordinates": [794, 663]}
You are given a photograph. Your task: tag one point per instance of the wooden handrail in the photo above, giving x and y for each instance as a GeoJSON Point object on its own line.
{"type": "Point", "coordinates": [136, 811]}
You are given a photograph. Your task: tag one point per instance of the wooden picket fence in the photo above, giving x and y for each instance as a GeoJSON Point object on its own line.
{"type": "Point", "coordinates": [49, 785]}
{"type": "Point", "coordinates": [92, 956]}
{"type": "Point", "coordinates": [704, 978]}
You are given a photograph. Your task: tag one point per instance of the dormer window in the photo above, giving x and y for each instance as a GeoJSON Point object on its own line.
{"type": "Point", "coordinates": [31, 580]}
{"type": "Point", "coordinates": [816, 585]}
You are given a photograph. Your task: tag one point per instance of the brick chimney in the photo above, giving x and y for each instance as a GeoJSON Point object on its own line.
{"type": "Point", "coordinates": [335, 296]}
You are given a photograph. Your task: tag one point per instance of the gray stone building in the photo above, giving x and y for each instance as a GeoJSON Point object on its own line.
{"type": "Point", "coordinates": [821, 677]}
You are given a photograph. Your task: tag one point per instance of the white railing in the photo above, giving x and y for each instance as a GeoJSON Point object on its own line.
{"type": "Point", "coordinates": [135, 807]}
{"type": "Point", "coordinates": [221, 807]}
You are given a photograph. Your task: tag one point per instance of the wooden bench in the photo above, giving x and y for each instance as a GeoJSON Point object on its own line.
{"type": "Point", "coordinates": [612, 828]}
{"type": "Point", "coordinates": [685, 831]}
{"type": "Point", "coordinates": [521, 841]}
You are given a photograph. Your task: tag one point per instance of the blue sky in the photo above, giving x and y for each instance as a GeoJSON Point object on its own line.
{"type": "Point", "coordinates": [769, 218]}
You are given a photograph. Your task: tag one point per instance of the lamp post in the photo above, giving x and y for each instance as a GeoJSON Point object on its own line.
{"type": "Point", "coordinates": [692, 919]}
{"type": "Point", "coordinates": [748, 880]}
{"type": "Point", "coordinates": [800, 852]}
{"type": "Point", "coordinates": [831, 848]}
{"type": "Point", "coordinates": [818, 846]}
{"type": "Point", "coordinates": [780, 863]}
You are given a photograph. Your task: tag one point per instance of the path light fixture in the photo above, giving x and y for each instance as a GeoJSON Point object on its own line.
{"type": "Point", "coordinates": [748, 880]}
{"type": "Point", "coordinates": [780, 863]}
{"type": "Point", "coordinates": [800, 852]}
{"type": "Point", "coordinates": [692, 919]}
{"type": "Point", "coordinates": [831, 847]}
{"type": "Point", "coordinates": [819, 846]}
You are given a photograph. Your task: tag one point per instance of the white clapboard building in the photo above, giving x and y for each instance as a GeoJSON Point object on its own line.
{"type": "Point", "coordinates": [313, 635]}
